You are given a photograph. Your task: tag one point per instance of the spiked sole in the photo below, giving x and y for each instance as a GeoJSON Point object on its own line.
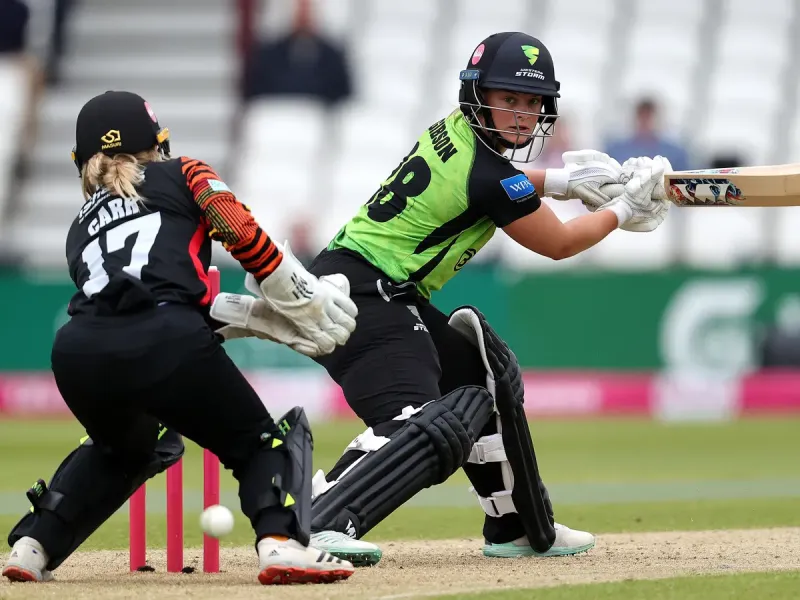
{"type": "Point", "coordinates": [358, 559]}
{"type": "Point", "coordinates": [277, 575]}
{"type": "Point", "coordinates": [19, 574]}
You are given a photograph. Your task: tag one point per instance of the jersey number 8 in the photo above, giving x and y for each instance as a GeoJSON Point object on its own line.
{"type": "Point", "coordinates": [411, 178]}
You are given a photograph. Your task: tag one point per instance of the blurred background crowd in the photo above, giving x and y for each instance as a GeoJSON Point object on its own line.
{"type": "Point", "coordinates": [305, 106]}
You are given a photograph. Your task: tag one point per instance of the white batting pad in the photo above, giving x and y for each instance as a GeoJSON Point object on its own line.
{"type": "Point", "coordinates": [465, 321]}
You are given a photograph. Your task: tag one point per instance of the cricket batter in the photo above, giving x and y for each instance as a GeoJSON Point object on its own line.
{"type": "Point", "coordinates": [440, 392]}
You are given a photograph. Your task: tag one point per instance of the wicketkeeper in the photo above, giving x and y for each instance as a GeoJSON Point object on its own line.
{"type": "Point", "coordinates": [139, 363]}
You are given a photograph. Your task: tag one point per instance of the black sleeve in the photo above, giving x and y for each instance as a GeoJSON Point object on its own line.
{"type": "Point", "coordinates": [499, 190]}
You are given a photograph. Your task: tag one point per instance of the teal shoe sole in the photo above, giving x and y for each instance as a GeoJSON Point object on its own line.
{"type": "Point", "coordinates": [512, 551]}
{"type": "Point", "coordinates": [358, 559]}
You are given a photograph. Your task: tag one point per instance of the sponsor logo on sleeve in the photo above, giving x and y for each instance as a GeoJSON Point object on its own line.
{"type": "Point", "coordinates": [218, 186]}
{"type": "Point", "coordinates": [518, 187]}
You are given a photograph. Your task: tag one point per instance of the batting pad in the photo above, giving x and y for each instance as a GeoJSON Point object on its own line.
{"type": "Point", "coordinates": [433, 443]}
{"type": "Point", "coordinates": [511, 447]}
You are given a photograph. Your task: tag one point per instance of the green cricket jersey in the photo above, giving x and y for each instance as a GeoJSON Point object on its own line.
{"type": "Point", "coordinates": [438, 208]}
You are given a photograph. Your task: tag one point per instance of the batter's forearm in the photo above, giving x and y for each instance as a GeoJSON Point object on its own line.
{"type": "Point", "coordinates": [536, 177]}
{"type": "Point", "coordinates": [587, 230]}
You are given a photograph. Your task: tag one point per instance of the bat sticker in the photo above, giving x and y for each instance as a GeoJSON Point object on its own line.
{"type": "Point", "coordinates": [705, 192]}
{"type": "Point", "coordinates": [725, 171]}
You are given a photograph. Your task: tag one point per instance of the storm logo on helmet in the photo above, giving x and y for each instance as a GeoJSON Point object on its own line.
{"type": "Point", "coordinates": [531, 53]}
{"type": "Point", "coordinates": [511, 102]}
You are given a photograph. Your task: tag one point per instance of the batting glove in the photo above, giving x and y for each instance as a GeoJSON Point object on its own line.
{"type": "Point", "coordinates": [635, 208]}
{"type": "Point", "coordinates": [583, 173]}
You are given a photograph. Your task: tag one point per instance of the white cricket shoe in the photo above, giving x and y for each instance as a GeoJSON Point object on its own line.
{"type": "Point", "coordinates": [28, 562]}
{"type": "Point", "coordinates": [285, 561]}
{"type": "Point", "coordinates": [568, 541]}
{"type": "Point", "coordinates": [341, 545]}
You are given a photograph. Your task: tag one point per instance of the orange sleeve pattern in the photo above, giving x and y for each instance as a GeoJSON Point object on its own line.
{"type": "Point", "coordinates": [230, 221]}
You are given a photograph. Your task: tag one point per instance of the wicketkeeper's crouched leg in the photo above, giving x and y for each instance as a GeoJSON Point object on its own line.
{"type": "Point", "coordinates": [218, 410]}
{"type": "Point", "coordinates": [89, 486]}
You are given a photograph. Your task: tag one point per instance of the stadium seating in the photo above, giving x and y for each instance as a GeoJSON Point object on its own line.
{"type": "Point", "coordinates": [723, 70]}
{"type": "Point", "coordinates": [14, 86]}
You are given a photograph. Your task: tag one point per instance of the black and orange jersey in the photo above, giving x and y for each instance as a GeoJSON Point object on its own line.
{"type": "Point", "coordinates": [126, 254]}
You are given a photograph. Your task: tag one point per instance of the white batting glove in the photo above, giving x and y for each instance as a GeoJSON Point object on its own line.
{"type": "Point", "coordinates": [630, 165]}
{"type": "Point", "coordinates": [583, 173]}
{"type": "Point", "coordinates": [636, 207]}
{"type": "Point", "coordinates": [321, 311]}
{"type": "Point", "coordinates": [248, 316]}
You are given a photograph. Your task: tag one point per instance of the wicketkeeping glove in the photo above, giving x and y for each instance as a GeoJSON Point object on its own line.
{"type": "Point", "coordinates": [248, 316]}
{"type": "Point", "coordinates": [320, 309]}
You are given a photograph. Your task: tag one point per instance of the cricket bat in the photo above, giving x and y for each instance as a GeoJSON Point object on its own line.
{"type": "Point", "coordinates": [775, 185]}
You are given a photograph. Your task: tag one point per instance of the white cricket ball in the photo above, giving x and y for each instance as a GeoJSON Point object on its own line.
{"type": "Point", "coordinates": [216, 521]}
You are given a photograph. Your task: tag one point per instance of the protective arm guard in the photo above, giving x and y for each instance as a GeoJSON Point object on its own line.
{"type": "Point", "coordinates": [512, 446]}
{"type": "Point", "coordinates": [432, 444]}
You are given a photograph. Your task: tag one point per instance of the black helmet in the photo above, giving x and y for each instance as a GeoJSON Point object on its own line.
{"type": "Point", "coordinates": [117, 123]}
{"type": "Point", "coordinates": [510, 61]}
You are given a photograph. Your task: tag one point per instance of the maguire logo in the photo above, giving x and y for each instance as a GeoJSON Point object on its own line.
{"type": "Point", "coordinates": [720, 192]}
{"type": "Point", "coordinates": [465, 258]}
{"type": "Point", "coordinates": [112, 139]}
{"type": "Point", "coordinates": [517, 187]}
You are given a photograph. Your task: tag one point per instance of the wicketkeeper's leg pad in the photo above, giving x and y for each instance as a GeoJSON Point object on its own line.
{"type": "Point", "coordinates": [275, 484]}
{"type": "Point", "coordinates": [88, 487]}
{"type": "Point", "coordinates": [511, 447]}
{"type": "Point", "coordinates": [431, 443]}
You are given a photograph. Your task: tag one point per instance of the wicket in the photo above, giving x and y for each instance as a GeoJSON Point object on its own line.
{"type": "Point", "coordinates": [138, 505]}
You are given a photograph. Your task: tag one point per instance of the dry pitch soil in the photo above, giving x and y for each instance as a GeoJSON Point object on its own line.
{"type": "Point", "coordinates": [424, 569]}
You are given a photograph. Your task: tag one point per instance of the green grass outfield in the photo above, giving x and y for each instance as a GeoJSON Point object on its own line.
{"type": "Point", "coordinates": [744, 586]}
{"type": "Point", "coordinates": [605, 476]}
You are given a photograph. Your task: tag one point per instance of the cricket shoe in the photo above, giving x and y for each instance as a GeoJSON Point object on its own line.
{"type": "Point", "coordinates": [284, 561]}
{"type": "Point", "coordinates": [341, 545]}
{"type": "Point", "coordinates": [28, 562]}
{"type": "Point", "coordinates": [568, 542]}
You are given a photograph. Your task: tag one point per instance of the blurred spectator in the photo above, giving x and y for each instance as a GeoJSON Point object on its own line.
{"type": "Point", "coordinates": [725, 161]}
{"type": "Point", "coordinates": [20, 88]}
{"type": "Point", "coordinates": [14, 16]}
{"type": "Point", "coordinates": [303, 63]}
{"type": "Point", "coordinates": [647, 140]}
{"type": "Point", "coordinates": [301, 240]}
{"type": "Point", "coordinates": [61, 11]}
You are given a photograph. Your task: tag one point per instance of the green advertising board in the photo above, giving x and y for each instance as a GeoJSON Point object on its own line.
{"type": "Point", "coordinates": [565, 320]}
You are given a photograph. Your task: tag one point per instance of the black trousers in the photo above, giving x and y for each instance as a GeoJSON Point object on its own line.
{"type": "Point", "coordinates": [404, 353]}
{"type": "Point", "coordinates": [123, 376]}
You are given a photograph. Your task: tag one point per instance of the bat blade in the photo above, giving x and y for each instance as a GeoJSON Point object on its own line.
{"type": "Point", "coordinates": [774, 185]}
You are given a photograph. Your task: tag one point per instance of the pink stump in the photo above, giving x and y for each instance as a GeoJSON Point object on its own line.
{"type": "Point", "coordinates": [210, 498]}
{"type": "Point", "coordinates": [175, 517]}
{"type": "Point", "coordinates": [138, 530]}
